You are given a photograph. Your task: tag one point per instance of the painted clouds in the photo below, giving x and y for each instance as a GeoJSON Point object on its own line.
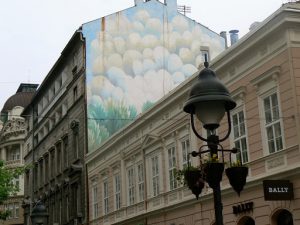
{"type": "Point", "coordinates": [142, 60]}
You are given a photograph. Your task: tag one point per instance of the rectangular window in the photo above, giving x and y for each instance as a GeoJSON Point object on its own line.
{"type": "Point", "coordinates": [67, 209]}
{"type": "Point", "coordinates": [35, 176]}
{"type": "Point", "coordinates": [17, 210]}
{"type": "Point", "coordinates": [117, 192]}
{"type": "Point", "coordinates": [141, 185]}
{"type": "Point", "coordinates": [131, 186]}
{"type": "Point", "coordinates": [52, 162]}
{"type": "Point", "coordinates": [65, 152]}
{"type": "Point", "coordinates": [205, 55]}
{"type": "Point", "coordinates": [185, 146]}
{"type": "Point", "coordinates": [58, 157]}
{"type": "Point", "coordinates": [46, 168]}
{"type": "Point", "coordinates": [76, 145]}
{"type": "Point", "coordinates": [155, 175]}
{"type": "Point", "coordinates": [95, 200]}
{"type": "Point", "coordinates": [105, 197]}
{"type": "Point", "coordinates": [172, 167]}
{"type": "Point", "coordinates": [75, 93]}
{"type": "Point", "coordinates": [273, 125]}
{"type": "Point", "coordinates": [239, 135]}
{"type": "Point", "coordinates": [41, 173]}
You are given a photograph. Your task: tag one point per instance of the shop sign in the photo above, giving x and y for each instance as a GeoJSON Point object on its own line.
{"type": "Point", "coordinates": [275, 190]}
{"type": "Point", "coordinates": [242, 208]}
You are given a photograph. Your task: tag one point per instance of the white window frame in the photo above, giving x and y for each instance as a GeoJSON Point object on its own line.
{"type": "Point", "coordinates": [131, 185]}
{"type": "Point", "coordinates": [272, 123]}
{"type": "Point", "coordinates": [155, 175]}
{"type": "Point", "coordinates": [185, 150]}
{"type": "Point", "coordinates": [117, 187]}
{"type": "Point", "coordinates": [141, 182]}
{"type": "Point", "coordinates": [241, 154]}
{"type": "Point", "coordinates": [95, 204]}
{"type": "Point", "coordinates": [105, 197]}
{"type": "Point", "coordinates": [172, 166]}
{"type": "Point", "coordinates": [266, 84]}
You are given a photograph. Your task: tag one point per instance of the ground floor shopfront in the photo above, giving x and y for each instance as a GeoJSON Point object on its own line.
{"type": "Point", "coordinates": [257, 205]}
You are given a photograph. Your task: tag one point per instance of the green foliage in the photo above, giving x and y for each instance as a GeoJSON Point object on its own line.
{"type": "Point", "coordinates": [7, 186]}
{"type": "Point", "coordinates": [180, 174]}
{"type": "Point", "coordinates": [105, 120]}
{"type": "Point", "coordinates": [237, 163]}
{"type": "Point", "coordinates": [147, 105]}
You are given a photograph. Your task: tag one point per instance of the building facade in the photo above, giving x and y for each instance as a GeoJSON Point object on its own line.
{"type": "Point", "coordinates": [55, 144]}
{"type": "Point", "coordinates": [92, 91]}
{"type": "Point", "coordinates": [131, 177]}
{"type": "Point", "coordinates": [12, 136]}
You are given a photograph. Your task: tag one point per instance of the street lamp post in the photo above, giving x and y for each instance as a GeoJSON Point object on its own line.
{"type": "Point", "coordinates": [209, 100]}
{"type": "Point", "coordinates": [39, 214]}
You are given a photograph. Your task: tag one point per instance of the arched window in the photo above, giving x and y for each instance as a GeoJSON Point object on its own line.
{"type": "Point", "coordinates": [246, 220]}
{"type": "Point", "coordinates": [283, 217]}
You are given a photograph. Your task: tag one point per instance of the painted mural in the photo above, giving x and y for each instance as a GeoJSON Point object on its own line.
{"type": "Point", "coordinates": [135, 57]}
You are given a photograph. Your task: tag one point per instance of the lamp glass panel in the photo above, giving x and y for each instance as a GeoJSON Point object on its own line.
{"type": "Point", "coordinates": [210, 112]}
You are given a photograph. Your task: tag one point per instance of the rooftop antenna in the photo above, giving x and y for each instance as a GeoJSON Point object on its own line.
{"type": "Point", "coordinates": [184, 9]}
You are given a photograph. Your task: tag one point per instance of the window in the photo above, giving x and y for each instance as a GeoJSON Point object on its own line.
{"type": "Point", "coordinates": [117, 191]}
{"type": "Point", "coordinates": [131, 186]}
{"type": "Point", "coordinates": [41, 172]}
{"type": "Point", "coordinates": [46, 167]}
{"type": "Point", "coordinates": [58, 157]}
{"type": "Point", "coordinates": [16, 181]}
{"type": "Point", "coordinates": [75, 93]}
{"type": "Point", "coordinates": [272, 123]}
{"type": "Point", "coordinates": [95, 199]}
{"type": "Point", "coordinates": [239, 135]}
{"type": "Point", "coordinates": [185, 148]}
{"type": "Point", "coordinates": [155, 175]}
{"type": "Point", "coordinates": [17, 210]}
{"type": "Point", "coordinates": [35, 175]}
{"type": "Point", "coordinates": [205, 55]}
{"type": "Point", "coordinates": [67, 209]}
{"type": "Point", "coordinates": [141, 185]}
{"type": "Point", "coordinates": [13, 153]}
{"type": "Point", "coordinates": [105, 197]}
{"type": "Point", "coordinates": [172, 167]}
{"type": "Point", "coordinates": [52, 161]}
{"type": "Point", "coordinates": [65, 151]}
{"type": "Point", "coordinates": [76, 145]}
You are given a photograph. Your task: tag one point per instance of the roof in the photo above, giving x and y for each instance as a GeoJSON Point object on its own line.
{"type": "Point", "coordinates": [22, 98]}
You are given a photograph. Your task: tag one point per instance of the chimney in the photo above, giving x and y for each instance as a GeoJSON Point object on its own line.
{"type": "Point", "coordinates": [223, 34]}
{"type": "Point", "coordinates": [234, 36]}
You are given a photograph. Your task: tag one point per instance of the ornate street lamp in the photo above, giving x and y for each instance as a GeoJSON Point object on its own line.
{"type": "Point", "coordinates": [209, 100]}
{"type": "Point", "coordinates": [39, 214]}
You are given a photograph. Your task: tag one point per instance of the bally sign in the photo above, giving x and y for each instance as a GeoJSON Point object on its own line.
{"type": "Point", "coordinates": [278, 190]}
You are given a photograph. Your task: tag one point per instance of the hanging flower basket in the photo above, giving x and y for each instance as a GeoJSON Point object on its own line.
{"type": "Point", "coordinates": [194, 180]}
{"type": "Point", "coordinates": [237, 177]}
{"type": "Point", "coordinates": [213, 173]}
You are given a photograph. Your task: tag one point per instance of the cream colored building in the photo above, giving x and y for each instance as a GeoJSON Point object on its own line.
{"type": "Point", "coordinates": [131, 180]}
{"type": "Point", "coordinates": [12, 136]}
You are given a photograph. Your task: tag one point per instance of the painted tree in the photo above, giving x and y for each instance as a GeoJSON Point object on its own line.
{"type": "Point", "coordinates": [7, 185]}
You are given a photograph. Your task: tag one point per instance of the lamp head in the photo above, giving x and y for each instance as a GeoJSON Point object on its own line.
{"type": "Point", "coordinates": [209, 99]}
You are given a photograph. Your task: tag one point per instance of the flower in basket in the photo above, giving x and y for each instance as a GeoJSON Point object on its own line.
{"type": "Point", "coordinates": [192, 177]}
{"type": "Point", "coordinates": [213, 170]}
{"type": "Point", "coordinates": [237, 175]}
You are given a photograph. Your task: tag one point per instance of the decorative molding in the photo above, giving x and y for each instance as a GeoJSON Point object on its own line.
{"type": "Point", "coordinates": [240, 93]}
{"type": "Point", "coordinates": [275, 162]}
{"type": "Point", "coordinates": [273, 74]}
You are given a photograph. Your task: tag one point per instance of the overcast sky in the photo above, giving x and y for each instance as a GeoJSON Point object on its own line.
{"type": "Point", "coordinates": [34, 32]}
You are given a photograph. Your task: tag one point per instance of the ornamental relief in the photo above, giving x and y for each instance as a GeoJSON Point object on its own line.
{"type": "Point", "coordinates": [12, 128]}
